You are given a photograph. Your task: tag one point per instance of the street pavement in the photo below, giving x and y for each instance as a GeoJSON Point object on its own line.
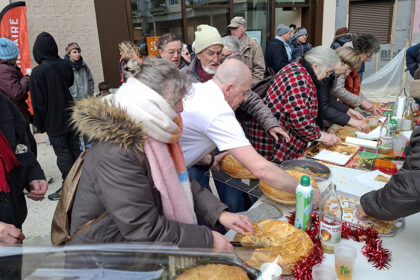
{"type": "Point", "coordinates": [37, 225]}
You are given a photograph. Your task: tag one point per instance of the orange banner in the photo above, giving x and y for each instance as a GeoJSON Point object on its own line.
{"type": "Point", "coordinates": [13, 26]}
{"type": "Point", "coordinates": [152, 48]}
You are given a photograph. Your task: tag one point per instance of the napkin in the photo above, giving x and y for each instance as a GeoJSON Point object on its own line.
{"type": "Point", "coordinates": [373, 135]}
{"type": "Point", "coordinates": [368, 179]}
{"type": "Point", "coordinates": [333, 157]}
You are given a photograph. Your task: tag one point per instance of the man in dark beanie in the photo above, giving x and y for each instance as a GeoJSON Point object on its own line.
{"type": "Point", "coordinates": [279, 53]}
{"type": "Point", "coordinates": [51, 99]}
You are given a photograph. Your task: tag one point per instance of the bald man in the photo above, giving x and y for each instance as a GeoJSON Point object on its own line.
{"type": "Point", "coordinates": [209, 123]}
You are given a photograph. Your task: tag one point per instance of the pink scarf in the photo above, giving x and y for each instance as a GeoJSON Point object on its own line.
{"type": "Point", "coordinates": [171, 179]}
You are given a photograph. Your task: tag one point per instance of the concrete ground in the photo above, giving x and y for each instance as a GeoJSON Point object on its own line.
{"type": "Point", "coordinates": [37, 225]}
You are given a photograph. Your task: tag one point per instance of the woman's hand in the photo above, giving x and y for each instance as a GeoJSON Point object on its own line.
{"type": "Point", "coordinates": [360, 213]}
{"type": "Point", "coordinates": [359, 124]}
{"type": "Point", "coordinates": [221, 243]}
{"type": "Point", "coordinates": [237, 222]}
{"type": "Point", "coordinates": [355, 115]}
{"type": "Point", "coordinates": [38, 189]}
{"type": "Point", "coordinates": [370, 108]}
{"type": "Point", "coordinates": [329, 139]}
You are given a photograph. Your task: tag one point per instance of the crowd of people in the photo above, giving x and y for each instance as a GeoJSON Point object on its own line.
{"type": "Point", "coordinates": [173, 118]}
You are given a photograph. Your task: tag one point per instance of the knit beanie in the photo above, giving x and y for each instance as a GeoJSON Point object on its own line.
{"type": "Point", "coordinates": [71, 46]}
{"type": "Point", "coordinates": [282, 29]}
{"type": "Point", "coordinates": [206, 36]}
{"type": "Point", "coordinates": [301, 32]}
{"type": "Point", "coordinates": [8, 49]}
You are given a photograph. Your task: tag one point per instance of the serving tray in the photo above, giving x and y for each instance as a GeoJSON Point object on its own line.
{"type": "Point", "coordinates": [350, 201]}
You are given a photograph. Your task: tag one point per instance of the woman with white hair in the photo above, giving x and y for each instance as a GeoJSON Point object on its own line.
{"type": "Point", "coordinates": [293, 100]}
{"type": "Point", "coordinates": [135, 171]}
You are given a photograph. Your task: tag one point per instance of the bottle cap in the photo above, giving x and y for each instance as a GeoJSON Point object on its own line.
{"type": "Point", "coordinates": [305, 181]}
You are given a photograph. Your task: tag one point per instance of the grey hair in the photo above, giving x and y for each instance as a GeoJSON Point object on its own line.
{"type": "Point", "coordinates": [324, 57]}
{"type": "Point", "coordinates": [159, 74]}
{"type": "Point", "coordinates": [233, 42]}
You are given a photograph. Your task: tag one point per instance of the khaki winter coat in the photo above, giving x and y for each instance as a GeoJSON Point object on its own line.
{"type": "Point", "coordinates": [253, 57]}
{"type": "Point", "coordinates": [116, 177]}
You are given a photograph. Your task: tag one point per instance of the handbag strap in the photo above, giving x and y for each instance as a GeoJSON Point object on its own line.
{"type": "Point", "coordinates": [85, 226]}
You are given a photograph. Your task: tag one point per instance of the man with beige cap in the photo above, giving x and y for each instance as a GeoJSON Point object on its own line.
{"type": "Point", "coordinates": [251, 52]}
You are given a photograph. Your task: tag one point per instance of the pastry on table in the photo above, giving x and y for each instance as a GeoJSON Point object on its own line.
{"type": "Point", "coordinates": [346, 131]}
{"type": "Point", "coordinates": [282, 196]}
{"type": "Point", "coordinates": [284, 242]}
{"type": "Point", "coordinates": [233, 168]}
{"type": "Point", "coordinates": [349, 206]}
{"type": "Point", "coordinates": [214, 272]}
{"type": "Point", "coordinates": [382, 178]}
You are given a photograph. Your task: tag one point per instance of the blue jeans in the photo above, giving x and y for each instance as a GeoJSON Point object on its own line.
{"type": "Point", "coordinates": [230, 196]}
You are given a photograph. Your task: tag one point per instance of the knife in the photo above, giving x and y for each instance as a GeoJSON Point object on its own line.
{"type": "Point", "coordinates": [247, 245]}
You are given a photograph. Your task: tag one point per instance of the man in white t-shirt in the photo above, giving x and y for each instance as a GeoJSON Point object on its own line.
{"type": "Point", "coordinates": [209, 122]}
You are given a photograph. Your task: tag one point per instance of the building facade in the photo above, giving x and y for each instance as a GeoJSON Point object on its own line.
{"type": "Point", "coordinates": [99, 25]}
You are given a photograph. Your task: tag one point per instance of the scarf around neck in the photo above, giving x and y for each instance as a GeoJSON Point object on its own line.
{"type": "Point", "coordinates": [76, 64]}
{"type": "Point", "coordinates": [163, 126]}
{"type": "Point", "coordinates": [8, 162]}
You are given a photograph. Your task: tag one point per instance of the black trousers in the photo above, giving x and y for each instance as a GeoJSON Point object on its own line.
{"type": "Point", "coordinates": [66, 148]}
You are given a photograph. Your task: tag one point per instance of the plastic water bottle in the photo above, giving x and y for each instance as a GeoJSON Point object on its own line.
{"type": "Point", "coordinates": [386, 135]}
{"type": "Point", "coordinates": [304, 196]}
{"type": "Point", "coordinates": [330, 220]}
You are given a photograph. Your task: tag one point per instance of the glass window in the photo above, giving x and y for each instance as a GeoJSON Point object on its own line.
{"type": "Point", "coordinates": [152, 19]}
{"type": "Point", "coordinates": [292, 2]}
{"type": "Point", "coordinates": [206, 2]}
{"type": "Point", "coordinates": [257, 15]}
{"type": "Point", "coordinates": [218, 18]}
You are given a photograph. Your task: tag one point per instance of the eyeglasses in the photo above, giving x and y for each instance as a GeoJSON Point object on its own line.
{"type": "Point", "coordinates": [172, 52]}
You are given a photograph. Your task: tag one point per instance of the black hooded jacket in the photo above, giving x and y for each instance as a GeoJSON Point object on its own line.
{"type": "Point", "coordinates": [49, 85]}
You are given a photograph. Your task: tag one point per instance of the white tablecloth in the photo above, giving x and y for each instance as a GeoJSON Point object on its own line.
{"type": "Point", "coordinates": [404, 246]}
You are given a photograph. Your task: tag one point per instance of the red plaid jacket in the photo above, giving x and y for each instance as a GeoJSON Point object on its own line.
{"type": "Point", "coordinates": [292, 99]}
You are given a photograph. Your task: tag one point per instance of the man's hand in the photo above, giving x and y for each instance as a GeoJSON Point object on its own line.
{"type": "Point", "coordinates": [221, 243]}
{"type": "Point", "coordinates": [355, 115]}
{"type": "Point", "coordinates": [38, 189]}
{"type": "Point", "coordinates": [329, 139]}
{"type": "Point", "coordinates": [217, 160]}
{"type": "Point", "coordinates": [278, 130]}
{"type": "Point", "coordinates": [359, 124]}
{"type": "Point", "coordinates": [236, 222]}
{"type": "Point", "coordinates": [360, 213]}
{"type": "Point", "coordinates": [9, 234]}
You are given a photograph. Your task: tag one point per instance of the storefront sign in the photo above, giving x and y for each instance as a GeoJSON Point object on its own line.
{"type": "Point", "coordinates": [152, 48]}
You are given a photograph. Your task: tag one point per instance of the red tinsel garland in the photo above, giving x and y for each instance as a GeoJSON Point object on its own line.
{"type": "Point", "coordinates": [373, 250]}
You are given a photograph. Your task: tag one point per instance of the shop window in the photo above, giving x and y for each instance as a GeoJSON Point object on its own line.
{"type": "Point", "coordinates": [372, 17]}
